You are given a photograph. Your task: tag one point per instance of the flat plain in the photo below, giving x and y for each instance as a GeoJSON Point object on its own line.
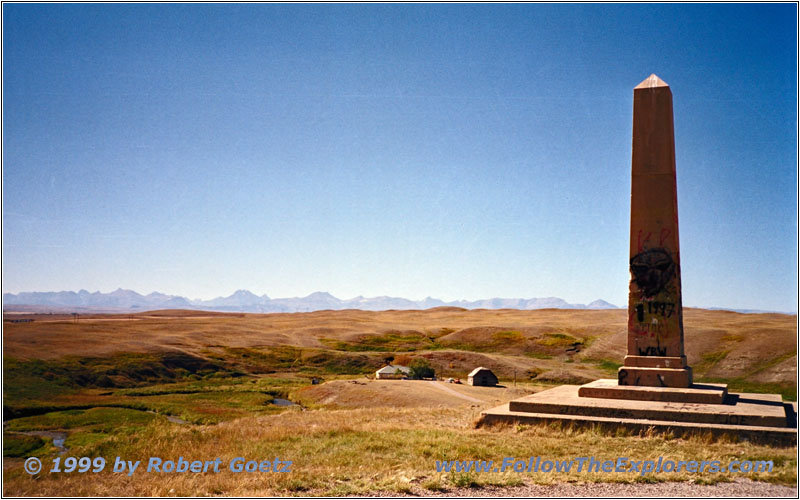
{"type": "Point", "coordinates": [199, 384]}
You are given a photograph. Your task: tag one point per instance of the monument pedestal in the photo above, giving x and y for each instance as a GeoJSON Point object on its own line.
{"type": "Point", "coordinates": [655, 377]}
{"type": "Point", "coordinates": [696, 393]}
{"type": "Point", "coordinates": [655, 371]}
{"type": "Point", "coordinates": [758, 417]}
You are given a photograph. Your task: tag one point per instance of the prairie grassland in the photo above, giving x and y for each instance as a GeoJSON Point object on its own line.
{"type": "Point", "coordinates": [743, 349]}
{"type": "Point", "coordinates": [358, 451]}
{"type": "Point", "coordinates": [200, 385]}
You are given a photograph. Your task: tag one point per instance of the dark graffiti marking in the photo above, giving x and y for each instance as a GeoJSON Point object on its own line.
{"type": "Point", "coordinates": [652, 330]}
{"type": "Point", "coordinates": [640, 312]}
{"type": "Point", "coordinates": [653, 351]}
{"type": "Point", "coordinates": [642, 239]}
{"type": "Point", "coordinates": [640, 242]}
{"type": "Point", "coordinates": [663, 308]}
{"type": "Point", "coordinates": [737, 420]}
{"type": "Point", "coordinates": [624, 379]}
{"type": "Point", "coordinates": [664, 235]}
{"type": "Point", "coordinates": [652, 270]}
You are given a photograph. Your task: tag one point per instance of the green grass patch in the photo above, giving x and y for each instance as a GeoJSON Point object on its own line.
{"type": "Point", "coordinates": [434, 485]}
{"type": "Point", "coordinates": [538, 355]}
{"type": "Point", "coordinates": [708, 360]}
{"type": "Point", "coordinates": [275, 387]}
{"type": "Point", "coordinates": [264, 360]}
{"type": "Point", "coordinates": [33, 379]}
{"type": "Point", "coordinates": [43, 379]}
{"type": "Point", "coordinates": [768, 363]}
{"type": "Point", "coordinates": [732, 337]}
{"type": "Point", "coordinates": [106, 419]}
{"type": "Point", "coordinates": [201, 398]}
{"type": "Point", "coordinates": [195, 407]}
{"type": "Point", "coordinates": [302, 361]}
{"type": "Point", "coordinates": [85, 439]}
{"type": "Point", "coordinates": [212, 407]}
{"type": "Point", "coordinates": [787, 390]}
{"type": "Point", "coordinates": [392, 341]}
{"type": "Point", "coordinates": [464, 480]}
{"type": "Point", "coordinates": [20, 445]}
{"type": "Point", "coordinates": [507, 336]}
{"type": "Point", "coordinates": [503, 341]}
{"type": "Point", "coordinates": [606, 365]}
{"type": "Point", "coordinates": [558, 340]}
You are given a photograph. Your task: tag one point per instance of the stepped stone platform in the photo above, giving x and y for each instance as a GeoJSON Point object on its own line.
{"type": "Point", "coordinates": [696, 393]}
{"type": "Point", "coordinates": [758, 417]}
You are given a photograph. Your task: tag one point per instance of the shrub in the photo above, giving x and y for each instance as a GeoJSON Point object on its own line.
{"type": "Point", "coordinates": [420, 368]}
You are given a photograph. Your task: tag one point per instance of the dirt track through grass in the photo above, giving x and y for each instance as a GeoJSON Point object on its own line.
{"type": "Point", "coordinates": [457, 394]}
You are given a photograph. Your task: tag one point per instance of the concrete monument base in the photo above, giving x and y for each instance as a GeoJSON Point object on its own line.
{"type": "Point", "coordinates": [761, 417]}
{"type": "Point", "coordinates": [696, 393]}
{"type": "Point", "coordinates": [655, 377]}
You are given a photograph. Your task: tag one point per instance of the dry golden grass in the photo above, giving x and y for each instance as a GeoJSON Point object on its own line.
{"type": "Point", "coordinates": [355, 451]}
{"type": "Point", "coordinates": [370, 435]}
{"type": "Point", "coordinates": [762, 347]}
{"type": "Point", "coordinates": [365, 393]}
{"type": "Point", "coordinates": [100, 335]}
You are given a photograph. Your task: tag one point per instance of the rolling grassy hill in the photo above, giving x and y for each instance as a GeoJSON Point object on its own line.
{"type": "Point", "coordinates": [128, 350]}
{"type": "Point", "coordinates": [108, 382]}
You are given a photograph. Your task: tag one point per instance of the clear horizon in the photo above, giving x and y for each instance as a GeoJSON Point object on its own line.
{"type": "Point", "coordinates": [413, 299]}
{"type": "Point", "coordinates": [259, 294]}
{"type": "Point", "coordinates": [461, 152]}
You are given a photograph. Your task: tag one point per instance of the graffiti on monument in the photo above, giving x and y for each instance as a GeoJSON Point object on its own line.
{"type": "Point", "coordinates": [653, 272]}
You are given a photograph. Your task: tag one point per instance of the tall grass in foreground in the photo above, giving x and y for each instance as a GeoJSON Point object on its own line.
{"type": "Point", "coordinates": [357, 451]}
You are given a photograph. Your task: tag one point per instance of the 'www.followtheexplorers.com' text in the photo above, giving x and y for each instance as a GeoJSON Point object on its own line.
{"type": "Point", "coordinates": [590, 464]}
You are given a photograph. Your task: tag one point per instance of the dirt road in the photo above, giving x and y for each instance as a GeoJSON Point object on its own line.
{"type": "Point", "coordinates": [448, 390]}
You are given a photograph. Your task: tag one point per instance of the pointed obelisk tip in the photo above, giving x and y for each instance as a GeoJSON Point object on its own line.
{"type": "Point", "coordinates": [651, 82]}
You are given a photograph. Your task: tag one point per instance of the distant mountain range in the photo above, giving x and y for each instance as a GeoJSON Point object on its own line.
{"type": "Point", "coordinates": [245, 301]}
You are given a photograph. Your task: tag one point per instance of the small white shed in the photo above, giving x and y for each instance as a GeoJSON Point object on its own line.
{"type": "Point", "coordinates": [392, 371]}
{"type": "Point", "coordinates": [482, 376]}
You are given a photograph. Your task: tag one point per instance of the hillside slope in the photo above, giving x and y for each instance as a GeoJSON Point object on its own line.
{"type": "Point", "coordinates": [564, 343]}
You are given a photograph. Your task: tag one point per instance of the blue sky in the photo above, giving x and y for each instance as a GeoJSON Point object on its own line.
{"type": "Point", "coordinates": [454, 151]}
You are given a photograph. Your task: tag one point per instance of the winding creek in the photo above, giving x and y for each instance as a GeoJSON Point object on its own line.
{"type": "Point", "coordinates": [60, 437]}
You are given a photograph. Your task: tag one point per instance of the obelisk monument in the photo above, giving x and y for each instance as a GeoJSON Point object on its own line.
{"type": "Point", "coordinates": [654, 388]}
{"type": "Point", "coordinates": [655, 314]}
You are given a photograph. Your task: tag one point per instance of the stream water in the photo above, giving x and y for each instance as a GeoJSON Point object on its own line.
{"type": "Point", "coordinates": [57, 437]}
